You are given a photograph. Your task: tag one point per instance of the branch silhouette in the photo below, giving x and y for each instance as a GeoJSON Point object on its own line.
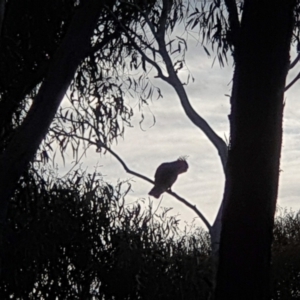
{"type": "Point", "coordinates": [182, 200]}
{"type": "Point", "coordinates": [172, 78]}
{"type": "Point", "coordinates": [292, 65]}
{"type": "Point", "coordinates": [292, 82]}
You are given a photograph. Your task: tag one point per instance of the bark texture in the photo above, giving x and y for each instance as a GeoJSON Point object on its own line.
{"type": "Point", "coordinates": [262, 61]}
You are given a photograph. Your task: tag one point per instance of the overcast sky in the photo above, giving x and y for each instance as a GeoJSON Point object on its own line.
{"type": "Point", "coordinates": [174, 135]}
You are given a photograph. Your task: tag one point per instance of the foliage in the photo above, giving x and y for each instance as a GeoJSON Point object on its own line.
{"type": "Point", "coordinates": [78, 240]}
{"type": "Point", "coordinates": [286, 260]}
{"type": "Point", "coordinates": [97, 109]}
{"type": "Point", "coordinates": [30, 36]}
{"type": "Point", "coordinates": [210, 21]}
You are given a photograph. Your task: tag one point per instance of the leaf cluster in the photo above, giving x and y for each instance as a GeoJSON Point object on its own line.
{"type": "Point", "coordinates": [210, 20]}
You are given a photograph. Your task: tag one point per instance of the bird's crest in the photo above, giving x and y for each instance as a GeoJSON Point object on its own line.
{"type": "Point", "coordinates": [183, 158]}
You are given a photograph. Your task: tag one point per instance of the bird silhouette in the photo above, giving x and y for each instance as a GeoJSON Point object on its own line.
{"type": "Point", "coordinates": [165, 176]}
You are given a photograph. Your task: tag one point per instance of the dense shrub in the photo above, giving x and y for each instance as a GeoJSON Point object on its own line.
{"type": "Point", "coordinates": [77, 239]}
{"type": "Point", "coordinates": [286, 256]}
{"type": "Point", "coordinates": [80, 241]}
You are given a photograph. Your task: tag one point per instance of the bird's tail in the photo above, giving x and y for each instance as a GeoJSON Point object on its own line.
{"type": "Point", "coordinates": [156, 192]}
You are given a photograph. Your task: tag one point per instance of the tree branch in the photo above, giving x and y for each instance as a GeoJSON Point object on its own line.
{"type": "Point", "coordinates": [107, 38]}
{"type": "Point", "coordinates": [163, 19]}
{"type": "Point", "coordinates": [293, 64]}
{"type": "Point", "coordinates": [182, 200]}
{"type": "Point", "coordinates": [138, 49]}
{"type": "Point", "coordinates": [175, 82]}
{"type": "Point", "coordinates": [292, 82]}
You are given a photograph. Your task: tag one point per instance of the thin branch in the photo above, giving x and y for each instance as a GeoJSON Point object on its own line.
{"type": "Point", "coordinates": [140, 39]}
{"type": "Point", "coordinates": [292, 82]}
{"type": "Point", "coordinates": [138, 49]}
{"type": "Point", "coordinates": [106, 39]}
{"type": "Point", "coordinates": [194, 208]}
{"type": "Point", "coordinates": [145, 15]}
{"type": "Point", "coordinates": [149, 23]}
{"type": "Point", "coordinates": [293, 64]}
{"type": "Point", "coordinates": [182, 200]}
{"type": "Point", "coordinates": [175, 82]}
{"type": "Point", "coordinates": [101, 145]}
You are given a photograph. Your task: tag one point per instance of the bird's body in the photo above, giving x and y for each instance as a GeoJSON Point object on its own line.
{"type": "Point", "coordinates": [165, 176]}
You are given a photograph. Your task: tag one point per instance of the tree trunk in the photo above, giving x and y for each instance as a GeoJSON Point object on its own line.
{"type": "Point", "coordinates": [27, 139]}
{"type": "Point", "coordinates": [262, 61]}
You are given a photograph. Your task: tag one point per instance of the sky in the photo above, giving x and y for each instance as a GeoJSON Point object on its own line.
{"type": "Point", "coordinates": [173, 135]}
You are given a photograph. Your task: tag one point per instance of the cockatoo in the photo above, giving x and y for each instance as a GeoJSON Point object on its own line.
{"type": "Point", "coordinates": [166, 174]}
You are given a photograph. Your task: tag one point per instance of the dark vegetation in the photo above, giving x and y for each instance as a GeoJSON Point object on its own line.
{"type": "Point", "coordinates": [75, 241]}
{"type": "Point", "coordinates": [80, 241]}
{"type": "Point", "coordinates": [285, 274]}
{"type": "Point", "coordinates": [74, 238]}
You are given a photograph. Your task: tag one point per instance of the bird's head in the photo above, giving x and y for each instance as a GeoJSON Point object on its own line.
{"type": "Point", "coordinates": [182, 165]}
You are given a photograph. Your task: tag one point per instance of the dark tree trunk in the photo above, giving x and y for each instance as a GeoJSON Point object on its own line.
{"type": "Point", "coordinates": [262, 61]}
{"type": "Point", "coordinates": [30, 134]}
